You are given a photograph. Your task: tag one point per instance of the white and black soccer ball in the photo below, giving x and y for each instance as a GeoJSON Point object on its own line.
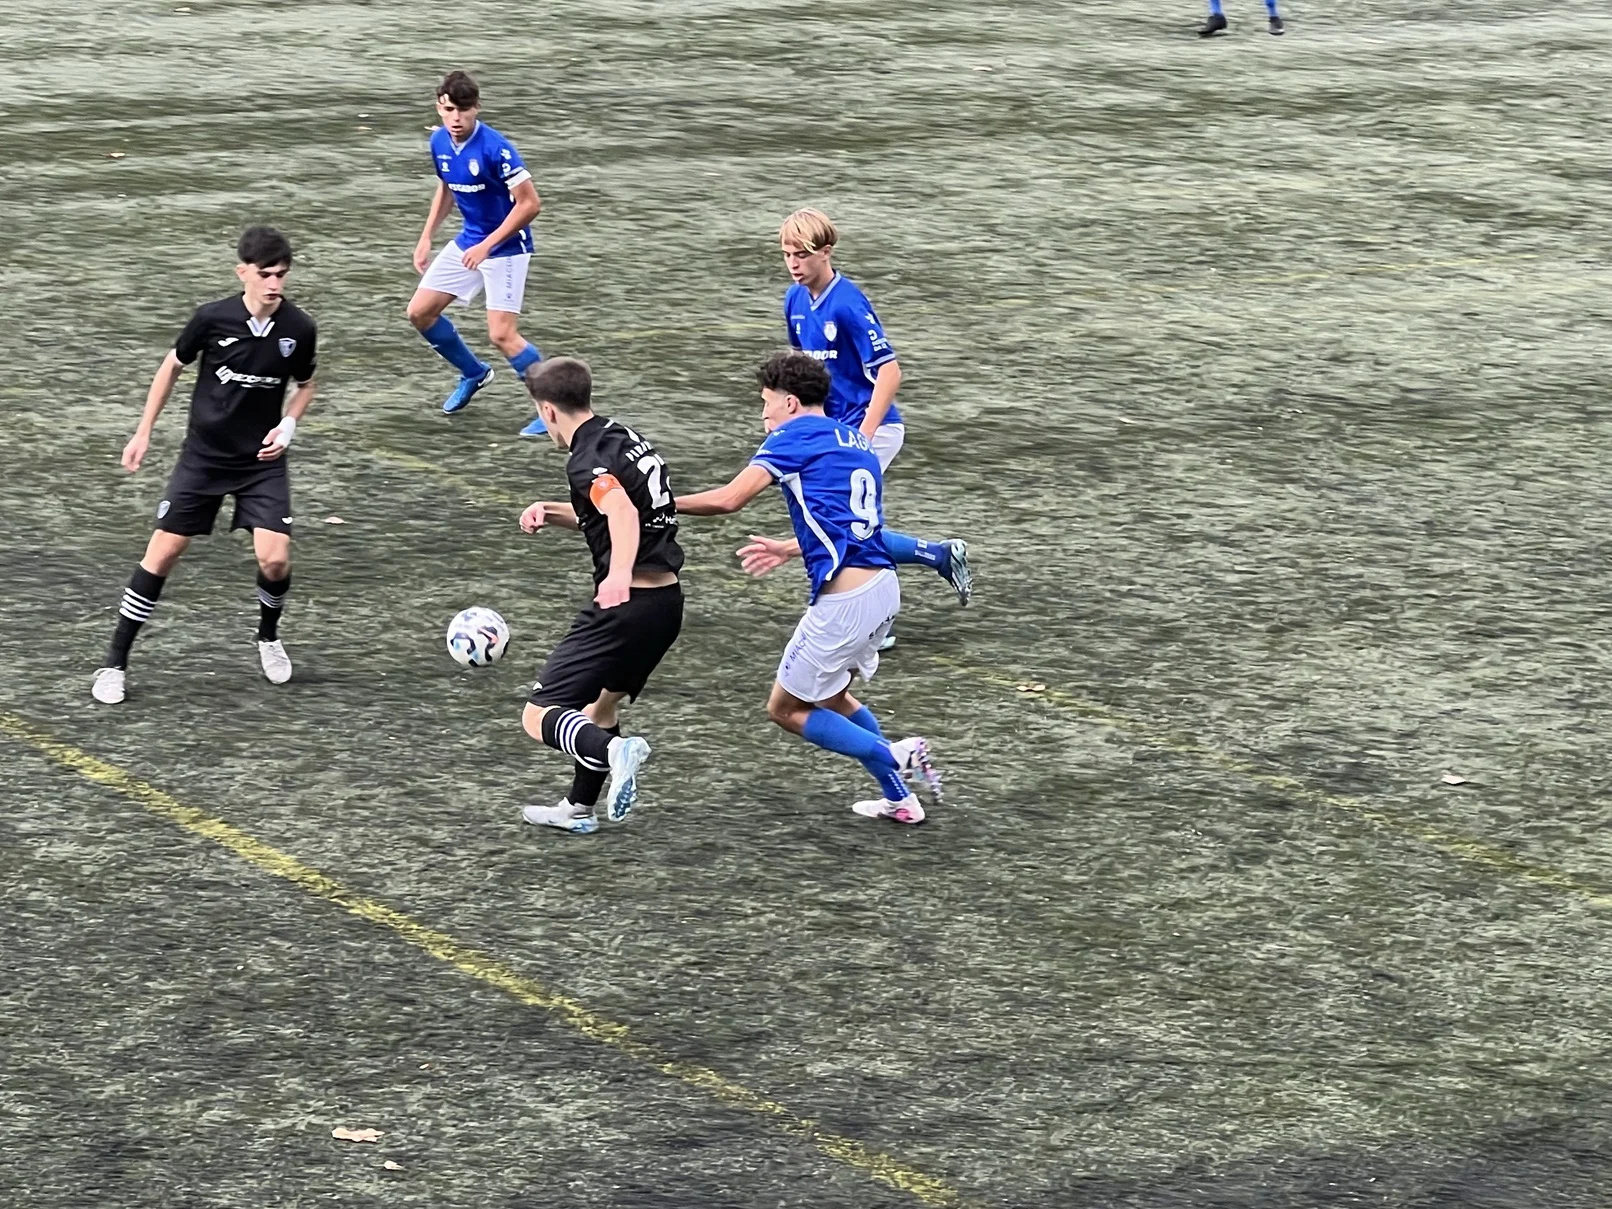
{"type": "Point", "coordinates": [477, 637]}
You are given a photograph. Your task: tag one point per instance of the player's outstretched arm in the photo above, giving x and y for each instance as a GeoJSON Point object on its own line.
{"type": "Point", "coordinates": [545, 512]}
{"type": "Point", "coordinates": [441, 203]}
{"type": "Point", "coordinates": [885, 386]}
{"type": "Point", "coordinates": [162, 386]}
{"type": "Point", "coordinates": [765, 554]}
{"type": "Point", "coordinates": [625, 526]}
{"type": "Point", "coordinates": [721, 501]}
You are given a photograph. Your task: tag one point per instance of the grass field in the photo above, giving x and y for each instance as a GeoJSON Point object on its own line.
{"type": "Point", "coordinates": [1267, 379]}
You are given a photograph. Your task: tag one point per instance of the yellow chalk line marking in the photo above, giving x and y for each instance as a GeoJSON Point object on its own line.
{"type": "Point", "coordinates": [1448, 842]}
{"type": "Point", "coordinates": [889, 1171]}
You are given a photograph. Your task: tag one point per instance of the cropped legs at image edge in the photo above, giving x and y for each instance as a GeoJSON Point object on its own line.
{"type": "Point", "coordinates": [1217, 23]}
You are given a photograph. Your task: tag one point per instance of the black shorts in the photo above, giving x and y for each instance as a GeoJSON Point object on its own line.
{"type": "Point", "coordinates": [611, 650]}
{"type": "Point", "coordinates": [196, 490]}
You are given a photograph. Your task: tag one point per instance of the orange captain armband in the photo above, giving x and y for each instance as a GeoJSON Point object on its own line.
{"type": "Point", "coordinates": [603, 486]}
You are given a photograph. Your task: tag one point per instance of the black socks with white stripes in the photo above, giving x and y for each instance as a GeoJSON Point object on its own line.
{"type": "Point", "coordinates": [569, 730]}
{"type": "Point", "coordinates": [588, 783]}
{"type": "Point", "coordinates": [139, 602]}
{"type": "Point", "coordinates": [271, 602]}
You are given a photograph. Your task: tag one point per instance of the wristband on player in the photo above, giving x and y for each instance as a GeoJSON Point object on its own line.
{"type": "Point", "coordinates": [287, 428]}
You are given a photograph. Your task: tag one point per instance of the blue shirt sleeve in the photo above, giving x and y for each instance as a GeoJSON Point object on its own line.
{"type": "Point", "coordinates": [512, 169]}
{"type": "Point", "coordinates": [780, 454]}
{"type": "Point", "coordinates": [858, 317]}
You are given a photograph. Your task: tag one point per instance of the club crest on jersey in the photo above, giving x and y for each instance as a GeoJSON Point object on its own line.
{"type": "Point", "coordinates": [830, 330]}
{"type": "Point", "coordinates": [287, 346]}
{"type": "Point", "coordinates": [444, 162]}
{"type": "Point", "coordinates": [475, 168]}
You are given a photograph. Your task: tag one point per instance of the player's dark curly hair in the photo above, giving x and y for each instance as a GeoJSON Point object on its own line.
{"type": "Point", "coordinates": [566, 382]}
{"type": "Point", "coordinates": [796, 374]}
{"type": "Point", "coordinates": [461, 89]}
{"type": "Point", "coordinates": [263, 247]}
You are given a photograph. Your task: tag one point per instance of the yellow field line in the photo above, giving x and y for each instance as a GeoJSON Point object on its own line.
{"type": "Point", "coordinates": [1448, 842]}
{"type": "Point", "coordinates": [925, 1189]}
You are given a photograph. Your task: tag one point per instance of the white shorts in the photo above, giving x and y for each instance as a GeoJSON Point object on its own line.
{"type": "Point", "coordinates": [839, 635]}
{"type": "Point", "coordinates": [503, 277]}
{"type": "Point", "coordinates": [887, 442]}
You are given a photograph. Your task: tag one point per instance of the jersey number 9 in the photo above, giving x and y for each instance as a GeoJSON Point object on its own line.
{"type": "Point", "coordinates": [864, 503]}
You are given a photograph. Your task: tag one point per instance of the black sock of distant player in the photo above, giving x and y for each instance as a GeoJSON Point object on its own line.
{"type": "Point", "coordinates": [588, 783]}
{"type": "Point", "coordinates": [271, 603]}
{"type": "Point", "coordinates": [139, 601]}
{"type": "Point", "coordinates": [569, 731]}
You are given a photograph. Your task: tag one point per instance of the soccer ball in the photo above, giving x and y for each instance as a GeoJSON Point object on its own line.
{"type": "Point", "coordinates": [477, 637]}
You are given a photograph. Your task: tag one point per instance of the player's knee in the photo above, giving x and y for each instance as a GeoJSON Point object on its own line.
{"type": "Point", "coordinates": [781, 713]}
{"type": "Point", "coordinates": [507, 340]}
{"type": "Point", "coordinates": [163, 551]}
{"type": "Point", "coordinates": [421, 313]}
{"type": "Point", "coordinates": [274, 568]}
{"type": "Point", "coordinates": [532, 720]}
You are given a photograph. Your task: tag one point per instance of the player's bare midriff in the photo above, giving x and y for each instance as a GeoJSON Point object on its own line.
{"type": "Point", "coordinates": [654, 579]}
{"type": "Point", "coordinates": [849, 579]}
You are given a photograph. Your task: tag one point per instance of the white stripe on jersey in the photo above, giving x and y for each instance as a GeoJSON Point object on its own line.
{"type": "Point", "coordinates": [792, 481]}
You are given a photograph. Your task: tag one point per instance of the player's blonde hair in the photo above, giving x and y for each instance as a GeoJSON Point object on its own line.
{"type": "Point", "coordinates": [811, 229]}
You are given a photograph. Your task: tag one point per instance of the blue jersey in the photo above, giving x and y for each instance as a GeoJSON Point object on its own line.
{"type": "Point", "coordinates": [841, 329]}
{"type": "Point", "coordinates": [832, 484]}
{"type": "Point", "coordinates": [481, 171]}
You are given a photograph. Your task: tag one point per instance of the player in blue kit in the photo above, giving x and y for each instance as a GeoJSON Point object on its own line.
{"type": "Point", "coordinates": [480, 171]}
{"type": "Point", "coordinates": [832, 483]}
{"type": "Point", "coordinates": [830, 319]}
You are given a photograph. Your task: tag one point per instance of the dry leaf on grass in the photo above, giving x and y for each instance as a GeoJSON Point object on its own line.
{"type": "Point", "coordinates": [334, 520]}
{"type": "Point", "coordinates": [342, 1134]}
{"type": "Point", "coordinates": [1453, 778]}
{"type": "Point", "coordinates": [391, 1166]}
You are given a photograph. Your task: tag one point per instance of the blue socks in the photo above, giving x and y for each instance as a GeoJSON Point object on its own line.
{"type": "Point", "coordinates": [445, 338]}
{"type": "Point", "coordinates": [865, 719]}
{"type": "Point", "coordinates": [527, 356]}
{"type": "Point", "coordinates": [1270, 6]}
{"type": "Point", "coordinates": [905, 550]}
{"type": "Point", "coordinates": [1214, 7]}
{"type": "Point", "coordinates": [860, 738]}
{"type": "Point", "coordinates": [829, 730]}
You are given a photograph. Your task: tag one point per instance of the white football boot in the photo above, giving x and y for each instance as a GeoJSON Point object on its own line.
{"type": "Point", "coordinates": [564, 816]}
{"type": "Point", "coordinates": [108, 687]}
{"type": "Point", "coordinates": [276, 663]}
{"type": "Point", "coordinates": [626, 758]}
{"type": "Point", "coordinates": [905, 811]}
{"type": "Point", "coordinates": [917, 767]}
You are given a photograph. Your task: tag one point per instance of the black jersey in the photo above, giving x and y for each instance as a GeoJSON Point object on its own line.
{"type": "Point", "coordinates": [603, 454]}
{"type": "Point", "coordinates": [241, 382]}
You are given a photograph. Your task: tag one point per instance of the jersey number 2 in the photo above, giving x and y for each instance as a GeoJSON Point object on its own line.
{"type": "Point", "coordinates": [864, 503]}
{"type": "Point", "coordinates": [654, 470]}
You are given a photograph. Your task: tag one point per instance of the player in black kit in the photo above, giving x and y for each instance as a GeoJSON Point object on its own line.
{"type": "Point", "coordinates": [621, 500]}
{"type": "Point", "coordinates": [250, 346]}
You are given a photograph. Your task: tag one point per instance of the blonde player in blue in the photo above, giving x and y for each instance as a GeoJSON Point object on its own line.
{"type": "Point", "coordinates": [832, 321]}
{"type": "Point", "coordinates": [832, 485]}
